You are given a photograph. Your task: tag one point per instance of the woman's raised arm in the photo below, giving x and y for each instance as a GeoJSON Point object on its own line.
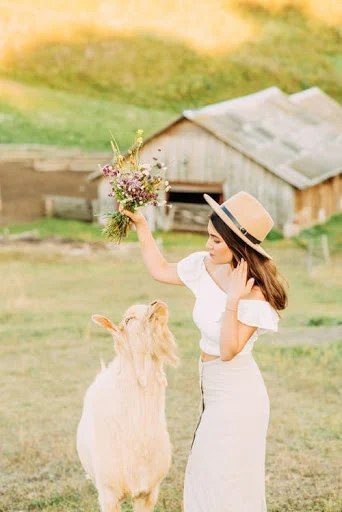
{"type": "Point", "coordinates": [155, 262]}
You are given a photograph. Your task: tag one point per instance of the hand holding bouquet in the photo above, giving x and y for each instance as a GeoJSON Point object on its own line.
{"type": "Point", "coordinates": [133, 185]}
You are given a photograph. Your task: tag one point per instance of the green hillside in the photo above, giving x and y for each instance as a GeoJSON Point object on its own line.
{"type": "Point", "coordinates": [41, 115]}
{"type": "Point", "coordinates": [141, 77]}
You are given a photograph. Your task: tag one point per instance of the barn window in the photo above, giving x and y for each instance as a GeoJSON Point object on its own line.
{"type": "Point", "coordinates": [190, 210]}
{"type": "Point", "coordinates": [190, 197]}
{"type": "Point", "coordinates": [193, 192]}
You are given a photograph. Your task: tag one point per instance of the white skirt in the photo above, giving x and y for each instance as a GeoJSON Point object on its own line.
{"type": "Point", "coordinates": [226, 466]}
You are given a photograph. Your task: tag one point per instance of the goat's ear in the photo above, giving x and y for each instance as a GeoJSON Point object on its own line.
{"type": "Point", "coordinates": [106, 323]}
{"type": "Point", "coordinates": [157, 309]}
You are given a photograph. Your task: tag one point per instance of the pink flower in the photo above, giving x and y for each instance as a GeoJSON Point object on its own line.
{"type": "Point", "coordinates": [107, 170]}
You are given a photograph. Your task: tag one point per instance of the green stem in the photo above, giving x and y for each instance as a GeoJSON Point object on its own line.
{"type": "Point", "coordinates": [117, 227]}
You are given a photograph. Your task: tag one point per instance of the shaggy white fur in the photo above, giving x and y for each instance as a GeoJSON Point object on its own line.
{"type": "Point", "coordinates": [122, 437]}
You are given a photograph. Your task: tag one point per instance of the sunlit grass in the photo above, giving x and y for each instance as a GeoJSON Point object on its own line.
{"type": "Point", "coordinates": [314, 299]}
{"type": "Point", "coordinates": [210, 26]}
{"type": "Point", "coordinates": [156, 70]}
{"type": "Point", "coordinates": [50, 351]}
{"type": "Point", "coordinates": [124, 80]}
{"type": "Point", "coordinates": [92, 232]}
{"type": "Point", "coordinates": [329, 12]}
{"type": "Point", "coordinates": [40, 115]}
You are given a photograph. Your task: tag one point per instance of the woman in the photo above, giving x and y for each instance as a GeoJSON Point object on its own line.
{"type": "Point", "coordinates": [238, 295]}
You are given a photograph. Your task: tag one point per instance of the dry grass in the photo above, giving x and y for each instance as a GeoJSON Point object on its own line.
{"type": "Point", "coordinates": [74, 70]}
{"type": "Point", "coordinates": [330, 12]}
{"type": "Point", "coordinates": [211, 26]}
{"type": "Point", "coordinates": [50, 352]}
{"type": "Point", "coordinates": [170, 55]}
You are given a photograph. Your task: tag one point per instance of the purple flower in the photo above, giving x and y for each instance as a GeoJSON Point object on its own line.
{"type": "Point", "coordinates": [135, 184]}
{"type": "Point", "coordinates": [106, 170]}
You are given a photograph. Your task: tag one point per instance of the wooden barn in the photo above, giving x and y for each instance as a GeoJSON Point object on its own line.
{"type": "Point", "coordinates": [285, 150]}
{"type": "Point", "coordinates": [35, 178]}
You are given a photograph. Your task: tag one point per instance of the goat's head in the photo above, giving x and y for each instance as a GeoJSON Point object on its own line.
{"type": "Point", "coordinates": [143, 334]}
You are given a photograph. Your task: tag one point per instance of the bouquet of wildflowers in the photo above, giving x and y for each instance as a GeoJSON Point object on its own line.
{"type": "Point", "coordinates": [133, 184]}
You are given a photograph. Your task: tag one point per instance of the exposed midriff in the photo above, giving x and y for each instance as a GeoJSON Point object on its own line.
{"type": "Point", "coordinates": [207, 357]}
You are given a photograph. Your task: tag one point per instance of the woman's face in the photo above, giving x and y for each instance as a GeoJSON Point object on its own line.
{"type": "Point", "coordinates": [217, 247]}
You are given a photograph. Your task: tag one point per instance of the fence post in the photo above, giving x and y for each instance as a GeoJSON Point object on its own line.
{"type": "Point", "coordinates": [309, 256]}
{"type": "Point", "coordinates": [48, 207]}
{"type": "Point", "coordinates": [325, 249]}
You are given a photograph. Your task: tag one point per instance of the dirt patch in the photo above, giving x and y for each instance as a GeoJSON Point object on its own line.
{"type": "Point", "coordinates": [54, 245]}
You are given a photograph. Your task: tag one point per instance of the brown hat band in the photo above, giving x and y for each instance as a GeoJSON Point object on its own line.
{"type": "Point", "coordinates": [243, 230]}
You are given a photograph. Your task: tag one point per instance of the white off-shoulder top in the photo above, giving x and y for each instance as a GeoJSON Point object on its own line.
{"type": "Point", "coordinates": [210, 306]}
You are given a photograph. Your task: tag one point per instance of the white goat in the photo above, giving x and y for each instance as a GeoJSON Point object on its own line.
{"type": "Point", "coordinates": [122, 437]}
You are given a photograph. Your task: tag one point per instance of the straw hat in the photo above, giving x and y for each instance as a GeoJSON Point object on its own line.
{"type": "Point", "coordinates": [246, 216]}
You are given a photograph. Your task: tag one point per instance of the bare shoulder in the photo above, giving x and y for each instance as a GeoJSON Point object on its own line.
{"type": "Point", "coordinates": [255, 294]}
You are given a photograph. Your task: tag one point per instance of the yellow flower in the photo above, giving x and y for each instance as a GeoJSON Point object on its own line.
{"type": "Point", "coordinates": [140, 132]}
{"type": "Point", "coordinates": [139, 140]}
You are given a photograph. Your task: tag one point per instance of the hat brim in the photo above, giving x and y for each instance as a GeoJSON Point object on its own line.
{"type": "Point", "coordinates": [217, 209]}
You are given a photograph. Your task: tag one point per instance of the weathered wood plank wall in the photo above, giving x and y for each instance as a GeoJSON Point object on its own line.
{"type": "Point", "coordinates": [64, 207]}
{"type": "Point", "coordinates": [194, 155]}
{"type": "Point", "coordinates": [320, 201]}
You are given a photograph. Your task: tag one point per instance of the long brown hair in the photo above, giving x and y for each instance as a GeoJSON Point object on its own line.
{"type": "Point", "coordinates": [261, 268]}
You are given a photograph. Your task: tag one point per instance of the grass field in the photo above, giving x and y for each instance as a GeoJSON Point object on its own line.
{"type": "Point", "coordinates": [50, 352]}
{"type": "Point", "coordinates": [70, 72]}
{"type": "Point", "coordinates": [45, 116]}
{"type": "Point", "coordinates": [136, 68]}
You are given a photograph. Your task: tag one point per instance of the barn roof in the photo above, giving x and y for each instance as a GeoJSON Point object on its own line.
{"type": "Point", "coordinates": [295, 137]}
{"type": "Point", "coordinates": [317, 102]}
{"type": "Point", "coordinates": [293, 143]}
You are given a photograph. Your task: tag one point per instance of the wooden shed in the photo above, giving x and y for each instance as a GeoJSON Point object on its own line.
{"type": "Point", "coordinates": [32, 173]}
{"type": "Point", "coordinates": [277, 147]}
